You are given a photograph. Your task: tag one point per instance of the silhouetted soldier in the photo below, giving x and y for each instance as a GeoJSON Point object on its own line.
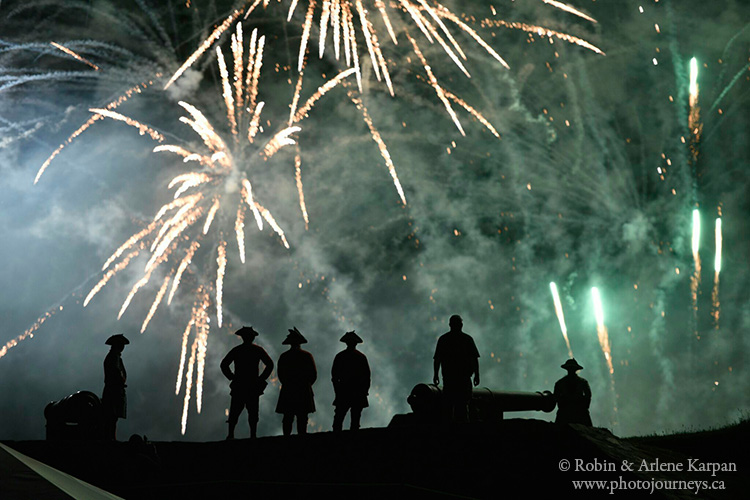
{"type": "Point", "coordinates": [297, 374]}
{"type": "Point", "coordinates": [114, 401]}
{"type": "Point", "coordinates": [351, 382]}
{"type": "Point", "coordinates": [458, 356]}
{"type": "Point", "coordinates": [246, 385]}
{"type": "Point", "coordinates": [573, 396]}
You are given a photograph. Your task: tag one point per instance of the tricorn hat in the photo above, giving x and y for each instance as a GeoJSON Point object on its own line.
{"type": "Point", "coordinates": [246, 330]}
{"type": "Point", "coordinates": [294, 337]}
{"type": "Point", "coordinates": [118, 339]}
{"type": "Point", "coordinates": [351, 337]}
{"type": "Point", "coordinates": [571, 364]}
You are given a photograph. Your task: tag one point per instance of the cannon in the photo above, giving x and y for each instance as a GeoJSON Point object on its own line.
{"type": "Point", "coordinates": [77, 417]}
{"type": "Point", "coordinates": [486, 405]}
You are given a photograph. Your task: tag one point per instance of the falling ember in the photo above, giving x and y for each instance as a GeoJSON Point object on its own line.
{"type": "Point", "coordinates": [142, 129]}
{"type": "Point", "coordinates": [568, 8]}
{"type": "Point", "coordinates": [695, 280]}
{"type": "Point", "coordinates": [155, 305]}
{"type": "Point", "coordinates": [29, 333]}
{"type": "Point", "coordinates": [74, 55]}
{"type": "Point", "coordinates": [560, 317]}
{"type": "Point", "coordinates": [601, 329]}
{"type": "Point", "coordinates": [717, 269]}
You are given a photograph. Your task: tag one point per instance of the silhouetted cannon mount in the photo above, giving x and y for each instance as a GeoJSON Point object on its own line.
{"type": "Point", "coordinates": [76, 417]}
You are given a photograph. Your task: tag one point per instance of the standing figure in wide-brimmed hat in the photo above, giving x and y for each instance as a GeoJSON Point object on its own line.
{"type": "Point", "coordinates": [114, 400]}
{"type": "Point", "coordinates": [573, 396]}
{"type": "Point", "coordinates": [297, 374]}
{"type": "Point", "coordinates": [351, 382]}
{"type": "Point", "coordinates": [246, 385]}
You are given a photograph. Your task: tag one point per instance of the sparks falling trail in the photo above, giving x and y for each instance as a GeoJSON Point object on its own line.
{"type": "Point", "coordinates": [560, 317]}
{"type": "Point", "coordinates": [601, 329]}
{"type": "Point", "coordinates": [74, 55]}
{"type": "Point", "coordinates": [29, 333]}
{"type": "Point", "coordinates": [695, 280]}
{"type": "Point", "coordinates": [694, 116]}
{"type": "Point", "coordinates": [717, 269]}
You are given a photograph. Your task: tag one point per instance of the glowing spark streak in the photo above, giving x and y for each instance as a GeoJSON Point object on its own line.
{"type": "Point", "coordinates": [227, 91]}
{"type": "Point", "coordinates": [417, 17]}
{"type": "Point", "coordinates": [336, 22]}
{"type": "Point", "coordinates": [345, 22]}
{"type": "Point", "coordinates": [108, 275]}
{"type": "Point", "coordinates": [257, 63]}
{"type": "Point", "coordinates": [237, 52]}
{"type": "Point", "coordinates": [295, 98]}
{"type": "Point", "coordinates": [86, 125]}
{"type": "Point", "coordinates": [381, 145]}
{"type": "Point", "coordinates": [542, 31]}
{"type": "Point", "coordinates": [717, 257]}
{"type": "Point", "coordinates": [239, 229]}
{"type": "Point", "coordinates": [269, 218]}
{"type": "Point", "coordinates": [693, 79]}
{"type": "Point", "coordinates": [560, 316]}
{"type": "Point", "coordinates": [280, 140]}
{"type": "Point", "coordinates": [601, 330]}
{"type": "Point", "coordinates": [696, 232]}
{"type": "Point", "coordinates": [570, 9]}
{"type": "Point", "coordinates": [305, 33]}
{"type": "Point", "coordinates": [76, 56]}
{"type": "Point", "coordinates": [300, 188]}
{"type": "Point", "coordinates": [183, 353]}
{"type": "Point", "coordinates": [436, 86]}
{"type": "Point", "coordinates": [188, 181]}
{"type": "Point", "coordinates": [142, 129]}
{"type": "Point", "coordinates": [130, 242]}
{"type": "Point", "coordinates": [370, 38]}
{"type": "Point", "coordinates": [173, 233]}
{"type": "Point", "coordinates": [247, 195]}
{"type": "Point", "coordinates": [443, 12]}
{"type": "Point", "coordinates": [132, 293]}
{"type": "Point", "coordinates": [291, 10]}
{"type": "Point", "coordinates": [181, 269]}
{"type": "Point", "coordinates": [322, 90]}
{"type": "Point", "coordinates": [324, 17]}
{"type": "Point", "coordinates": [448, 35]}
{"type": "Point", "coordinates": [202, 347]}
{"type": "Point", "coordinates": [476, 114]}
{"type": "Point", "coordinates": [155, 305]}
{"type": "Point", "coordinates": [252, 130]}
{"type": "Point", "coordinates": [353, 46]}
{"type": "Point", "coordinates": [179, 202]}
{"type": "Point", "coordinates": [188, 384]}
{"type": "Point", "coordinates": [210, 216]}
{"type": "Point", "coordinates": [207, 43]}
{"type": "Point", "coordinates": [386, 20]}
{"type": "Point", "coordinates": [221, 261]}
{"type": "Point", "coordinates": [176, 219]}
{"type": "Point", "coordinates": [29, 333]}
{"type": "Point", "coordinates": [186, 155]}
{"type": "Point", "coordinates": [203, 128]}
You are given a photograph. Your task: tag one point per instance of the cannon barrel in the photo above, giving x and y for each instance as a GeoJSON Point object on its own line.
{"type": "Point", "coordinates": [76, 417]}
{"type": "Point", "coordinates": [485, 405]}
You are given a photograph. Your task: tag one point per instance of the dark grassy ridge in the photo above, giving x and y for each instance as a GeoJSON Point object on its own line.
{"type": "Point", "coordinates": [514, 459]}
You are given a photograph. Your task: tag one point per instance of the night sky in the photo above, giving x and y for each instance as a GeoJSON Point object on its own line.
{"type": "Point", "coordinates": [590, 185]}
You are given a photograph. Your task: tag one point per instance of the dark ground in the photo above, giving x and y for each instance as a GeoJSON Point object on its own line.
{"type": "Point", "coordinates": [514, 459]}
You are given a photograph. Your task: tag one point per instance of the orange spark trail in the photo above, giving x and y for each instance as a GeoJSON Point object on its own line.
{"type": "Point", "coordinates": [221, 262]}
{"type": "Point", "coordinates": [210, 216]}
{"type": "Point", "coordinates": [239, 229]}
{"type": "Point", "coordinates": [183, 353]}
{"type": "Point", "coordinates": [476, 114]}
{"type": "Point", "coordinates": [108, 275]}
{"type": "Point", "coordinates": [77, 56]}
{"type": "Point", "coordinates": [142, 129]}
{"type": "Point", "coordinates": [188, 385]}
{"type": "Point", "coordinates": [570, 9]}
{"type": "Point", "coordinates": [305, 33]}
{"type": "Point", "coordinates": [272, 222]}
{"type": "Point", "coordinates": [381, 145]}
{"type": "Point", "coordinates": [434, 83]}
{"type": "Point", "coordinates": [300, 188]}
{"type": "Point", "coordinates": [29, 333]}
{"type": "Point", "coordinates": [155, 305]}
{"type": "Point", "coordinates": [542, 31]}
{"type": "Point", "coordinates": [181, 269]}
{"type": "Point", "coordinates": [208, 42]}
{"type": "Point", "coordinates": [227, 91]}
{"type": "Point", "coordinates": [130, 242]}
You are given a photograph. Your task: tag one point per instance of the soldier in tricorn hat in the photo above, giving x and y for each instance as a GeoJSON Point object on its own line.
{"type": "Point", "coordinates": [351, 382]}
{"type": "Point", "coordinates": [114, 400]}
{"type": "Point", "coordinates": [297, 374]}
{"type": "Point", "coordinates": [246, 385]}
{"type": "Point", "coordinates": [573, 396]}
